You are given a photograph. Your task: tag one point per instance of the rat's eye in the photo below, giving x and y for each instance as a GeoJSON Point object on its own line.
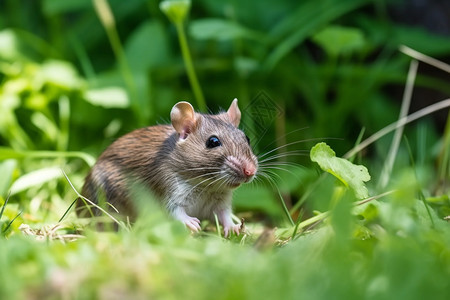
{"type": "Point", "coordinates": [248, 139]}
{"type": "Point", "coordinates": [212, 142]}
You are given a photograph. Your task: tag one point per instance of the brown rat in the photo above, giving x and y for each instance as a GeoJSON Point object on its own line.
{"type": "Point", "coordinates": [191, 166]}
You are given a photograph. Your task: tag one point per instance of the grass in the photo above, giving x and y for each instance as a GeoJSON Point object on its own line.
{"type": "Point", "coordinates": [159, 259]}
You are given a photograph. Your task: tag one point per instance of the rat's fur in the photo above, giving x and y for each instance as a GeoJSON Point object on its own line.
{"type": "Point", "coordinates": [190, 180]}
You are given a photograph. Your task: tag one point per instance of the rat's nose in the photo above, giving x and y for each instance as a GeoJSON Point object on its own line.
{"type": "Point", "coordinates": [249, 170]}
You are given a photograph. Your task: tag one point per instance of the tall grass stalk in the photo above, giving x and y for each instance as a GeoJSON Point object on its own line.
{"type": "Point", "coordinates": [400, 123]}
{"type": "Point", "coordinates": [424, 58]}
{"type": "Point", "coordinates": [177, 11]}
{"type": "Point", "coordinates": [106, 17]}
{"type": "Point", "coordinates": [86, 200]}
{"type": "Point", "coordinates": [285, 209]}
{"type": "Point", "coordinates": [216, 221]}
{"type": "Point", "coordinates": [444, 157]}
{"type": "Point", "coordinates": [187, 58]}
{"type": "Point", "coordinates": [83, 58]}
{"type": "Point", "coordinates": [406, 102]}
{"type": "Point", "coordinates": [358, 141]}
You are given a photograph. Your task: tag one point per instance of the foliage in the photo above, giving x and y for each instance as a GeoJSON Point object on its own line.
{"type": "Point", "coordinates": [76, 74]}
{"type": "Point", "coordinates": [349, 174]}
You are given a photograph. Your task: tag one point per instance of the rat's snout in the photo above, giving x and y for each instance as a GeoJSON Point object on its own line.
{"type": "Point", "coordinates": [249, 169]}
{"type": "Point", "coordinates": [244, 169]}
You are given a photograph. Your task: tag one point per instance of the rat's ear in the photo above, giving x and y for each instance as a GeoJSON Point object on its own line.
{"type": "Point", "coordinates": [183, 118]}
{"type": "Point", "coordinates": [234, 113]}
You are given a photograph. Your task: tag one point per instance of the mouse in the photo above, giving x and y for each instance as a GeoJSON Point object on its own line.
{"type": "Point", "coordinates": [191, 166]}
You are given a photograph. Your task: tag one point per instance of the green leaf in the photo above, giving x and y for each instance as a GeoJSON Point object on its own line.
{"type": "Point", "coordinates": [352, 176]}
{"type": "Point", "coordinates": [35, 178]}
{"type": "Point", "coordinates": [61, 74]}
{"type": "Point", "coordinates": [54, 7]}
{"type": "Point", "coordinates": [221, 30]}
{"type": "Point", "coordinates": [8, 45]}
{"type": "Point", "coordinates": [147, 47]}
{"type": "Point", "coordinates": [417, 38]}
{"type": "Point", "coordinates": [338, 40]}
{"type": "Point", "coordinates": [303, 22]}
{"type": "Point", "coordinates": [108, 97]}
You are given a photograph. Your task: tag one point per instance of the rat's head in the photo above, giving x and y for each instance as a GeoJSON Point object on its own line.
{"type": "Point", "coordinates": [211, 150]}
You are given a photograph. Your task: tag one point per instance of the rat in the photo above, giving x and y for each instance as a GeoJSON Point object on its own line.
{"type": "Point", "coordinates": [191, 166]}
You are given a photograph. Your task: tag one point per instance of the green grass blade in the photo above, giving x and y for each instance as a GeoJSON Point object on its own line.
{"type": "Point", "coordinates": [67, 210]}
{"type": "Point", "coordinates": [421, 194]}
{"type": "Point", "coordinates": [406, 102]}
{"type": "Point", "coordinates": [216, 220]}
{"type": "Point", "coordinates": [106, 16]}
{"type": "Point", "coordinates": [120, 224]}
{"type": "Point", "coordinates": [358, 141]}
{"type": "Point", "coordinates": [4, 205]}
{"type": "Point", "coordinates": [197, 90]}
{"type": "Point", "coordinates": [8, 153]}
{"type": "Point", "coordinates": [297, 224]}
{"type": "Point", "coordinates": [285, 209]}
{"type": "Point", "coordinates": [10, 223]}
{"type": "Point", "coordinates": [400, 123]}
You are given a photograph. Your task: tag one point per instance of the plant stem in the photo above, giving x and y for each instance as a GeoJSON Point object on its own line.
{"type": "Point", "coordinates": [285, 209]}
{"type": "Point", "coordinates": [196, 89]}
{"type": "Point", "coordinates": [216, 219]}
{"type": "Point", "coordinates": [400, 123]}
{"type": "Point", "coordinates": [407, 95]}
{"type": "Point", "coordinates": [107, 19]}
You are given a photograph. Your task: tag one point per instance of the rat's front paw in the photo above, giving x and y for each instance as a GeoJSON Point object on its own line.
{"type": "Point", "coordinates": [192, 223]}
{"type": "Point", "coordinates": [231, 228]}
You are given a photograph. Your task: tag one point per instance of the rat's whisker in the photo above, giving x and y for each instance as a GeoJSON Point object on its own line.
{"type": "Point", "coordinates": [262, 173]}
{"type": "Point", "coordinates": [211, 183]}
{"type": "Point", "coordinates": [283, 204]}
{"type": "Point", "coordinates": [226, 181]}
{"type": "Point", "coordinates": [292, 143]}
{"type": "Point", "coordinates": [286, 154]}
{"type": "Point", "coordinates": [268, 174]}
{"type": "Point", "coordinates": [256, 181]}
{"type": "Point", "coordinates": [202, 168]}
{"type": "Point", "coordinates": [271, 181]}
{"type": "Point", "coordinates": [193, 188]}
{"type": "Point", "coordinates": [285, 135]}
{"type": "Point", "coordinates": [203, 175]}
{"type": "Point", "coordinates": [284, 146]}
{"type": "Point", "coordinates": [283, 169]}
{"type": "Point", "coordinates": [287, 164]}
